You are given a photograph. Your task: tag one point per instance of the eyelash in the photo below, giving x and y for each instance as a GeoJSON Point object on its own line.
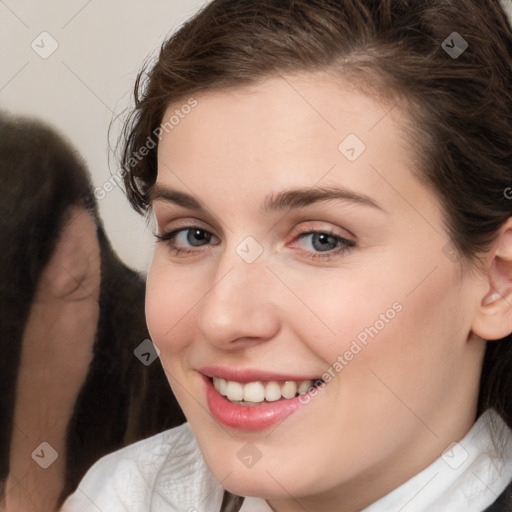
{"type": "Point", "coordinates": [346, 246]}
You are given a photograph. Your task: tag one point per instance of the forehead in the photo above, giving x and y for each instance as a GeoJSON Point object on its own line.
{"type": "Point", "coordinates": [291, 108]}
{"type": "Point", "coordinates": [287, 131]}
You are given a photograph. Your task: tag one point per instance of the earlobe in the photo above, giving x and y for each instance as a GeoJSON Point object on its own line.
{"type": "Point", "coordinates": [494, 316]}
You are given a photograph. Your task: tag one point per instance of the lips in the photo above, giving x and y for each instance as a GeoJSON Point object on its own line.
{"type": "Point", "coordinates": [253, 400]}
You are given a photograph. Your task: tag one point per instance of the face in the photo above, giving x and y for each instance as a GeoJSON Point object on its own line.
{"type": "Point", "coordinates": [311, 322]}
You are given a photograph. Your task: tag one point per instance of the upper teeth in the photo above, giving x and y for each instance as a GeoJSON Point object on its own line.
{"type": "Point", "coordinates": [260, 391]}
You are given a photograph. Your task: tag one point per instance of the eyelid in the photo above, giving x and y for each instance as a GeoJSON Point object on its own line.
{"type": "Point", "coordinates": [166, 214]}
{"type": "Point", "coordinates": [322, 227]}
{"type": "Point", "coordinates": [346, 242]}
{"type": "Point", "coordinates": [172, 233]}
{"type": "Point", "coordinates": [169, 226]}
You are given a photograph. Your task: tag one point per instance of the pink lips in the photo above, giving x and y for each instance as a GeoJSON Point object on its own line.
{"type": "Point", "coordinates": [254, 417]}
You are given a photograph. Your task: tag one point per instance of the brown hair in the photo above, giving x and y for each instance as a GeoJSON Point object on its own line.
{"type": "Point", "coordinates": [461, 104]}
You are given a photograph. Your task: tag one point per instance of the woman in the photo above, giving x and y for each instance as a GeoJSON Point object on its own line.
{"type": "Point", "coordinates": [331, 292]}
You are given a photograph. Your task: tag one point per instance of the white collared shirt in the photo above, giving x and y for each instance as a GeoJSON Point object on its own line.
{"type": "Point", "coordinates": [167, 473]}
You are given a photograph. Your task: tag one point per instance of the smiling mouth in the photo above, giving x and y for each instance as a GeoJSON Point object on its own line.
{"type": "Point", "coordinates": [260, 392]}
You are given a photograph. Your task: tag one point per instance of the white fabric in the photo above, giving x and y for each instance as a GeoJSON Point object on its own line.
{"type": "Point", "coordinates": [166, 473]}
{"type": "Point", "coordinates": [467, 478]}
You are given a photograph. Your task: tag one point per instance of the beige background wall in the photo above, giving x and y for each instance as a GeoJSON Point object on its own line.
{"type": "Point", "coordinates": [86, 81]}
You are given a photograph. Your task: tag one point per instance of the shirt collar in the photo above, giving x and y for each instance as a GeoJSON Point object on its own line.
{"type": "Point", "coordinates": [467, 477]}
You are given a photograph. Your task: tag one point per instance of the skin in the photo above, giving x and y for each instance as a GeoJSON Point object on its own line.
{"type": "Point", "coordinates": [408, 394]}
{"type": "Point", "coordinates": [56, 352]}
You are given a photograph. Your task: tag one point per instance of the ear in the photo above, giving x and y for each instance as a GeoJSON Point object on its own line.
{"type": "Point", "coordinates": [493, 320]}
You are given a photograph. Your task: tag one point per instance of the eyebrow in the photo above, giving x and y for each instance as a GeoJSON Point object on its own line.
{"type": "Point", "coordinates": [161, 193]}
{"type": "Point", "coordinates": [288, 199]}
{"type": "Point", "coordinates": [302, 197]}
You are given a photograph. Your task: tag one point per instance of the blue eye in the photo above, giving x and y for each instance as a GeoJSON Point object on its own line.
{"type": "Point", "coordinates": [194, 236]}
{"type": "Point", "coordinates": [323, 245]}
{"type": "Point", "coordinates": [322, 241]}
{"type": "Point", "coordinates": [181, 240]}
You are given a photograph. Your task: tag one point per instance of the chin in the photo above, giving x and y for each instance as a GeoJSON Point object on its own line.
{"type": "Point", "coordinates": [264, 487]}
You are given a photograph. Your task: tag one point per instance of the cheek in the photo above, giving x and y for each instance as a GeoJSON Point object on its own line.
{"type": "Point", "coordinates": [414, 348]}
{"type": "Point", "coordinates": [343, 313]}
{"type": "Point", "coordinates": [376, 320]}
{"type": "Point", "coordinates": [170, 299]}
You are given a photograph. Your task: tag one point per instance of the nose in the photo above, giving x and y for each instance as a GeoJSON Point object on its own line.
{"type": "Point", "coordinates": [240, 307]}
